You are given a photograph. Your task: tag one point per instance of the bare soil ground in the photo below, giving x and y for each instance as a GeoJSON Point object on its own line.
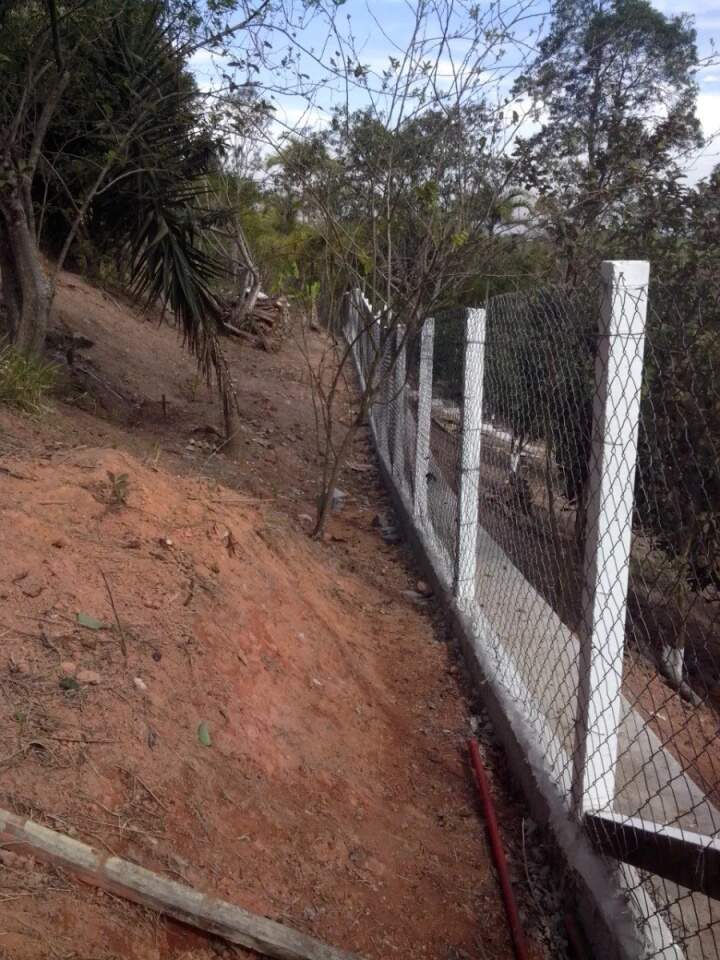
{"type": "Point", "coordinates": [335, 795]}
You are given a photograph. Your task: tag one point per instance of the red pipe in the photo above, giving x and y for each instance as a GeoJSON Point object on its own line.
{"type": "Point", "coordinates": [483, 785]}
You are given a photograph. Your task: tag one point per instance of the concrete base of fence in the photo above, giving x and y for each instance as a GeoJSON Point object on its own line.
{"type": "Point", "coordinates": [601, 904]}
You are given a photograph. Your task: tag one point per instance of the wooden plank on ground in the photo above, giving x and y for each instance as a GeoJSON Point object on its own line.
{"type": "Point", "coordinates": [127, 880]}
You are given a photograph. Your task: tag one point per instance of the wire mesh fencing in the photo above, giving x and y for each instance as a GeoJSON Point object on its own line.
{"type": "Point", "coordinates": [446, 393]}
{"type": "Point", "coordinates": [671, 680]}
{"type": "Point", "coordinates": [537, 411]}
{"type": "Point", "coordinates": [560, 452]}
{"type": "Point", "coordinates": [371, 346]}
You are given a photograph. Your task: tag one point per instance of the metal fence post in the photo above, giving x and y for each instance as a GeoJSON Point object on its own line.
{"type": "Point", "coordinates": [469, 465]}
{"type": "Point", "coordinates": [424, 424]}
{"type": "Point", "coordinates": [398, 393]}
{"type": "Point", "coordinates": [611, 480]}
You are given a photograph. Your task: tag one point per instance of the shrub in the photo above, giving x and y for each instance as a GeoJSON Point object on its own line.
{"type": "Point", "coordinates": [24, 381]}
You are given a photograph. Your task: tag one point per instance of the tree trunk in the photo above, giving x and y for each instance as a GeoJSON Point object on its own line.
{"type": "Point", "coordinates": [325, 500]}
{"type": "Point", "coordinates": [26, 281]}
{"type": "Point", "coordinates": [247, 298]}
{"type": "Point", "coordinates": [230, 422]}
{"type": "Point", "coordinates": [671, 662]}
{"type": "Point", "coordinates": [10, 315]}
{"type": "Point", "coordinates": [252, 296]}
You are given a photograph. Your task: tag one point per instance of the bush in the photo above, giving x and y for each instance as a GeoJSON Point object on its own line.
{"type": "Point", "coordinates": [24, 381]}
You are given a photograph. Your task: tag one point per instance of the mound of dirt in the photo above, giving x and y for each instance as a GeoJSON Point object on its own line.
{"type": "Point", "coordinates": [189, 681]}
{"type": "Point", "coordinates": [229, 622]}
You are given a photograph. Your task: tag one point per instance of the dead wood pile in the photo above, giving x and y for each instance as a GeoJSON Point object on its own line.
{"type": "Point", "coordinates": [265, 326]}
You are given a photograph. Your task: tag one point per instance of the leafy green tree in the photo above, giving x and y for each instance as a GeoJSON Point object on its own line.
{"type": "Point", "coordinates": [679, 484]}
{"type": "Point", "coordinates": [613, 88]}
{"type": "Point", "coordinates": [102, 135]}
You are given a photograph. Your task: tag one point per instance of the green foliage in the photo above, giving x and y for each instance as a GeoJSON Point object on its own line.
{"type": "Point", "coordinates": [119, 488]}
{"type": "Point", "coordinates": [678, 489]}
{"type": "Point", "coordinates": [540, 379]}
{"type": "Point", "coordinates": [25, 382]}
{"type": "Point", "coordinates": [614, 86]}
{"type": "Point", "coordinates": [144, 99]}
{"type": "Point", "coordinates": [128, 144]}
{"type": "Point", "coordinates": [678, 483]}
{"type": "Point", "coordinates": [614, 79]}
{"type": "Point", "coordinates": [414, 211]}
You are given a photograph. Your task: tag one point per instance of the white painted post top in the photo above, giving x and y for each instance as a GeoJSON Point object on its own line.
{"type": "Point", "coordinates": [631, 273]}
{"type": "Point", "coordinates": [626, 283]}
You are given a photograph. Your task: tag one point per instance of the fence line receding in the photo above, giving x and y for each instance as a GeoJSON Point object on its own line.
{"type": "Point", "coordinates": [559, 452]}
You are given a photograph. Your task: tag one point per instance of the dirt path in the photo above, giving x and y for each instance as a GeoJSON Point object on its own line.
{"type": "Point", "coordinates": [335, 795]}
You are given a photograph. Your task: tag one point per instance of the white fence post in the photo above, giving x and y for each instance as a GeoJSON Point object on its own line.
{"type": "Point", "coordinates": [398, 393]}
{"type": "Point", "coordinates": [384, 390]}
{"type": "Point", "coordinates": [424, 424]}
{"type": "Point", "coordinates": [469, 466]}
{"type": "Point", "coordinates": [353, 330]}
{"type": "Point", "coordinates": [611, 479]}
{"type": "Point", "coordinates": [375, 363]}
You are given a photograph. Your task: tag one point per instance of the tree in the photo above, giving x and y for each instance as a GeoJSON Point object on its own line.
{"type": "Point", "coordinates": [408, 193]}
{"type": "Point", "coordinates": [678, 486]}
{"type": "Point", "coordinates": [613, 88]}
{"type": "Point", "coordinates": [102, 132]}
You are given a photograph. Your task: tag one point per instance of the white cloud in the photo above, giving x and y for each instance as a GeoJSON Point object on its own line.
{"type": "Point", "coordinates": [708, 111]}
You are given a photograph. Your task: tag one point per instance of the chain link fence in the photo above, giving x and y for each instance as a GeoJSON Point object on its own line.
{"type": "Point", "coordinates": [671, 681]}
{"type": "Point", "coordinates": [560, 453]}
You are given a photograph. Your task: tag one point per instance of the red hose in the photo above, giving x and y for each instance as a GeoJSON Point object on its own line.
{"type": "Point", "coordinates": [483, 785]}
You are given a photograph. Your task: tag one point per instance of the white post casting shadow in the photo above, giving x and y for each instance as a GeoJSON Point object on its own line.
{"type": "Point", "coordinates": [616, 412]}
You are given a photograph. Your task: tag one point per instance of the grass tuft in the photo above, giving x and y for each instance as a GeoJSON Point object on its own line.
{"type": "Point", "coordinates": [25, 381]}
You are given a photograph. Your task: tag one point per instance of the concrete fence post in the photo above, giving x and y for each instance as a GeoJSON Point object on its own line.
{"type": "Point", "coordinates": [384, 391]}
{"type": "Point", "coordinates": [374, 364]}
{"type": "Point", "coordinates": [424, 422]}
{"type": "Point", "coordinates": [353, 327]}
{"type": "Point", "coordinates": [469, 464]}
{"type": "Point", "coordinates": [611, 482]}
{"type": "Point", "coordinates": [398, 405]}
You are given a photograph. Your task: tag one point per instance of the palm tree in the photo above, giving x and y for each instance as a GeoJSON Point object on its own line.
{"type": "Point", "coordinates": [102, 133]}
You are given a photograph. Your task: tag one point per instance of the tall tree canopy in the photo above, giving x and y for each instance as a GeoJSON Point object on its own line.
{"type": "Point", "coordinates": [103, 136]}
{"type": "Point", "coordinates": [614, 91]}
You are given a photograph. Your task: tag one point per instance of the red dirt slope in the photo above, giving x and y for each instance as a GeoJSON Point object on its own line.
{"type": "Point", "coordinates": [335, 794]}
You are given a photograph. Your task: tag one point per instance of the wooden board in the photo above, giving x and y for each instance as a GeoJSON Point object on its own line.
{"type": "Point", "coordinates": [688, 859]}
{"type": "Point", "coordinates": [127, 880]}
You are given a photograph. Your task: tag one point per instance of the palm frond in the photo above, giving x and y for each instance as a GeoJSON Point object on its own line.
{"type": "Point", "coordinates": [168, 265]}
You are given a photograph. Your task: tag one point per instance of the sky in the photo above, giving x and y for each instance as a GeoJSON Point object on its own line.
{"type": "Point", "coordinates": [382, 29]}
{"type": "Point", "coordinates": [707, 24]}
